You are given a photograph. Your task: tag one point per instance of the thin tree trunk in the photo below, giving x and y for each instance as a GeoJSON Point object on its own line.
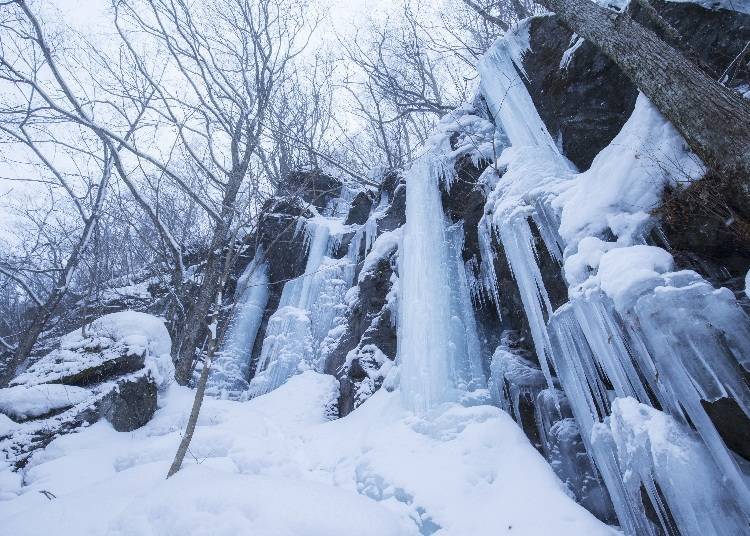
{"type": "Point", "coordinates": [194, 328]}
{"type": "Point", "coordinates": [714, 120]}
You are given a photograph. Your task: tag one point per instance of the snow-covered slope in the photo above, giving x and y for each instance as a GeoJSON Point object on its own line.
{"type": "Point", "coordinates": [277, 465]}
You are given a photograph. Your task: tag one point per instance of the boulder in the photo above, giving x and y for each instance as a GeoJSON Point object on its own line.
{"type": "Point", "coordinates": [360, 208]}
{"type": "Point", "coordinates": [130, 403]}
{"type": "Point", "coordinates": [314, 187]}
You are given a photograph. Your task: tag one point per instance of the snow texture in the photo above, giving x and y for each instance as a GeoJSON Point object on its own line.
{"type": "Point", "coordinates": [23, 402]}
{"type": "Point", "coordinates": [277, 465]}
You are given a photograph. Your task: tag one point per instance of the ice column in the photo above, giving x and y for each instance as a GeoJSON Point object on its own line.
{"type": "Point", "coordinates": [228, 376]}
{"type": "Point", "coordinates": [438, 346]}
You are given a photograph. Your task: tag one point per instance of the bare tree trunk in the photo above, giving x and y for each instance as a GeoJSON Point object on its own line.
{"type": "Point", "coordinates": [714, 120]}
{"type": "Point", "coordinates": [194, 328]}
{"type": "Point", "coordinates": [486, 15]}
{"type": "Point", "coordinates": [195, 411]}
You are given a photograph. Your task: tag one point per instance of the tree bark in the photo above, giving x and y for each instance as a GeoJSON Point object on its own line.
{"type": "Point", "coordinates": [714, 120]}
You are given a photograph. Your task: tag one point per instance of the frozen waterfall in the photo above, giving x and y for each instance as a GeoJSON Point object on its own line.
{"type": "Point", "coordinates": [438, 346]}
{"type": "Point", "coordinates": [229, 371]}
{"type": "Point", "coordinates": [665, 340]}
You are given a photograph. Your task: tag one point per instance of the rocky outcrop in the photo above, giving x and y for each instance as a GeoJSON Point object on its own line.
{"type": "Point", "coordinates": [113, 371]}
{"type": "Point", "coordinates": [314, 187]}
{"type": "Point", "coordinates": [581, 95]}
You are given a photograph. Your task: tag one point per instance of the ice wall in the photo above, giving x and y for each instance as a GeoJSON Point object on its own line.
{"type": "Point", "coordinates": [312, 303]}
{"type": "Point", "coordinates": [438, 347]}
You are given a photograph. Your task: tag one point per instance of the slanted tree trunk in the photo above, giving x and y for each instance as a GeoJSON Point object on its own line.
{"type": "Point", "coordinates": [714, 120]}
{"type": "Point", "coordinates": [194, 330]}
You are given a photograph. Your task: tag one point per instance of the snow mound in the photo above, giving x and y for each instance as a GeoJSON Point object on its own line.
{"type": "Point", "coordinates": [252, 506]}
{"type": "Point", "coordinates": [28, 401]}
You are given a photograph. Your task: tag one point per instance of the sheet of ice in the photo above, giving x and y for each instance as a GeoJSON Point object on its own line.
{"type": "Point", "coordinates": [506, 93]}
{"type": "Point", "coordinates": [276, 464]}
{"type": "Point", "coordinates": [424, 313]}
{"type": "Point", "coordinates": [438, 346]}
{"type": "Point", "coordinates": [229, 370]}
{"type": "Point", "coordinates": [296, 335]}
{"type": "Point", "coordinates": [23, 402]}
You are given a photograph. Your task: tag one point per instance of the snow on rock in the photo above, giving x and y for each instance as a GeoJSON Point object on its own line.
{"type": "Point", "coordinates": [23, 402]}
{"type": "Point", "coordinates": [627, 178]}
{"type": "Point", "coordinates": [114, 343]}
{"type": "Point", "coordinates": [277, 465]}
{"type": "Point", "coordinates": [383, 246]}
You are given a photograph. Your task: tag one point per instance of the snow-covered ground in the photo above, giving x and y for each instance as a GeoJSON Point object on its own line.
{"type": "Point", "coordinates": [276, 465]}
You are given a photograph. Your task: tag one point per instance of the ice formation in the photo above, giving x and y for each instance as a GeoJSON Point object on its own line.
{"type": "Point", "coordinates": [438, 347]}
{"type": "Point", "coordinates": [229, 370]}
{"type": "Point", "coordinates": [634, 332]}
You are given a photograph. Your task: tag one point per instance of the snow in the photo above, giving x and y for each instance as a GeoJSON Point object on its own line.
{"type": "Point", "coordinates": [626, 273]}
{"type": "Point", "coordinates": [108, 337]}
{"type": "Point", "coordinates": [28, 401]}
{"type": "Point", "coordinates": [384, 245]}
{"type": "Point", "coordinates": [277, 465]}
{"type": "Point", "coordinates": [626, 179]}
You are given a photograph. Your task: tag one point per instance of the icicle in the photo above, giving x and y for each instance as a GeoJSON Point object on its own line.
{"type": "Point", "coordinates": [587, 395]}
{"type": "Point", "coordinates": [508, 99]}
{"type": "Point", "coordinates": [548, 223]}
{"type": "Point", "coordinates": [489, 276]}
{"type": "Point", "coordinates": [665, 458]}
{"type": "Point", "coordinates": [707, 364]}
{"type": "Point", "coordinates": [518, 243]}
{"type": "Point", "coordinates": [466, 350]}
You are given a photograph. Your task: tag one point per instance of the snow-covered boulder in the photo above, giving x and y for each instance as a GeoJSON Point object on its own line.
{"type": "Point", "coordinates": [23, 402]}
{"type": "Point", "coordinates": [111, 346]}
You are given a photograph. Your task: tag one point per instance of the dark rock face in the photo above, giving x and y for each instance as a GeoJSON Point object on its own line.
{"type": "Point", "coordinates": [360, 208]}
{"type": "Point", "coordinates": [369, 324]}
{"type": "Point", "coordinates": [732, 424]}
{"type": "Point", "coordinates": [131, 403]}
{"type": "Point", "coordinates": [393, 190]}
{"type": "Point", "coordinates": [314, 187]}
{"type": "Point", "coordinates": [585, 105]}
{"type": "Point", "coordinates": [118, 366]}
{"type": "Point", "coordinates": [285, 254]}
{"type": "Point", "coordinates": [716, 38]}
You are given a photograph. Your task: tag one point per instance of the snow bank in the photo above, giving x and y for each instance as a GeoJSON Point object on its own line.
{"type": "Point", "coordinates": [252, 506]}
{"type": "Point", "coordinates": [277, 465]}
{"type": "Point", "coordinates": [28, 401]}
